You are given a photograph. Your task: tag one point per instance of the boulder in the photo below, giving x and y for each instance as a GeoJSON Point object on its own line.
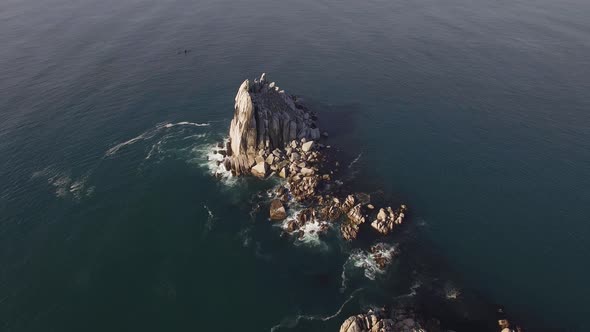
{"type": "Point", "coordinates": [387, 219]}
{"type": "Point", "coordinates": [283, 173]}
{"type": "Point", "coordinates": [277, 210]}
{"type": "Point", "coordinates": [305, 147]}
{"type": "Point", "coordinates": [348, 203]}
{"type": "Point", "coordinates": [349, 231]}
{"type": "Point", "coordinates": [260, 170]}
{"type": "Point", "coordinates": [369, 322]}
{"type": "Point", "coordinates": [307, 171]}
{"type": "Point", "coordinates": [353, 324]}
{"type": "Point", "coordinates": [356, 215]}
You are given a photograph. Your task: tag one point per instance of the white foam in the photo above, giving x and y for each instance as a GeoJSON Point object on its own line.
{"type": "Point", "coordinates": [355, 160]}
{"type": "Point", "coordinates": [311, 234]}
{"type": "Point", "coordinates": [210, 218]}
{"type": "Point", "coordinates": [142, 136]}
{"type": "Point", "coordinates": [195, 136]}
{"type": "Point", "coordinates": [186, 123]}
{"type": "Point", "coordinates": [79, 188]}
{"type": "Point", "coordinates": [154, 150]}
{"type": "Point", "coordinates": [413, 290]}
{"type": "Point", "coordinates": [292, 322]}
{"type": "Point", "coordinates": [208, 157]}
{"type": "Point", "coordinates": [63, 184]}
{"type": "Point", "coordinates": [311, 229]}
{"type": "Point", "coordinates": [150, 134]}
{"type": "Point", "coordinates": [367, 261]}
{"type": "Point", "coordinates": [244, 235]}
{"type": "Point", "coordinates": [451, 292]}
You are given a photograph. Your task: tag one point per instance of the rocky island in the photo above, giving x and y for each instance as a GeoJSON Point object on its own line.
{"type": "Point", "coordinates": [273, 133]}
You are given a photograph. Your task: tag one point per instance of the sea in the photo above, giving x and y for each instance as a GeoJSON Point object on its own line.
{"type": "Point", "coordinates": [473, 113]}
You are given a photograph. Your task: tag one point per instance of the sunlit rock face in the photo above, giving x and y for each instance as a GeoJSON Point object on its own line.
{"type": "Point", "coordinates": [265, 118]}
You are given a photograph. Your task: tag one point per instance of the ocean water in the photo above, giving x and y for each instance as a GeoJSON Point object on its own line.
{"type": "Point", "coordinates": [474, 113]}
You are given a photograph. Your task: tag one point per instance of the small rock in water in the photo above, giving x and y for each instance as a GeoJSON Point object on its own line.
{"type": "Point", "coordinates": [277, 210]}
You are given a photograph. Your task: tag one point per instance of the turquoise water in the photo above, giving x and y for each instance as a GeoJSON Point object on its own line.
{"type": "Point", "coordinates": [475, 114]}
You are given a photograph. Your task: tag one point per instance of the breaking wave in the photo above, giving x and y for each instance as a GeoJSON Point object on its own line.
{"type": "Point", "coordinates": [209, 156]}
{"type": "Point", "coordinates": [309, 233]}
{"type": "Point", "coordinates": [291, 322]}
{"type": "Point", "coordinates": [373, 263]}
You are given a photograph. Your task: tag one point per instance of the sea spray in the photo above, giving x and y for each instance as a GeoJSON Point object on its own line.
{"type": "Point", "coordinates": [209, 157]}
{"type": "Point", "coordinates": [373, 262]}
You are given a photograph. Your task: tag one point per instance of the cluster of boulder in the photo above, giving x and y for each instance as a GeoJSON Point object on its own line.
{"type": "Point", "coordinates": [379, 321]}
{"type": "Point", "coordinates": [387, 219]}
{"type": "Point", "coordinates": [273, 134]}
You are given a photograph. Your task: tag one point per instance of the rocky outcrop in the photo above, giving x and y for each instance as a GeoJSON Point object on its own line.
{"type": "Point", "coordinates": [387, 219]}
{"type": "Point", "coordinates": [265, 118]}
{"type": "Point", "coordinates": [378, 321]}
{"type": "Point", "coordinates": [370, 322]}
{"type": "Point", "coordinates": [272, 133]}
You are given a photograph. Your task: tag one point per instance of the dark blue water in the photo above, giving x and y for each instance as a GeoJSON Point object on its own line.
{"type": "Point", "coordinates": [475, 113]}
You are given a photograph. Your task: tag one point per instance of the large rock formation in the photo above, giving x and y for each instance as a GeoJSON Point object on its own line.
{"type": "Point", "coordinates": [386, 219]}
{"type": "Point", "coordinates": [271, 133]}
{"type": "Point", "coordinates": [378, 321]}
{"type": "Point", "coordinates": [265, 118]}
{"type": "Point", "coordinates": [370, 322]}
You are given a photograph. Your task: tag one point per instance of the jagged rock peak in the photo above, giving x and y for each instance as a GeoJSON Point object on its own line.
{"type": "Point", "coordinates": [265, 118]}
